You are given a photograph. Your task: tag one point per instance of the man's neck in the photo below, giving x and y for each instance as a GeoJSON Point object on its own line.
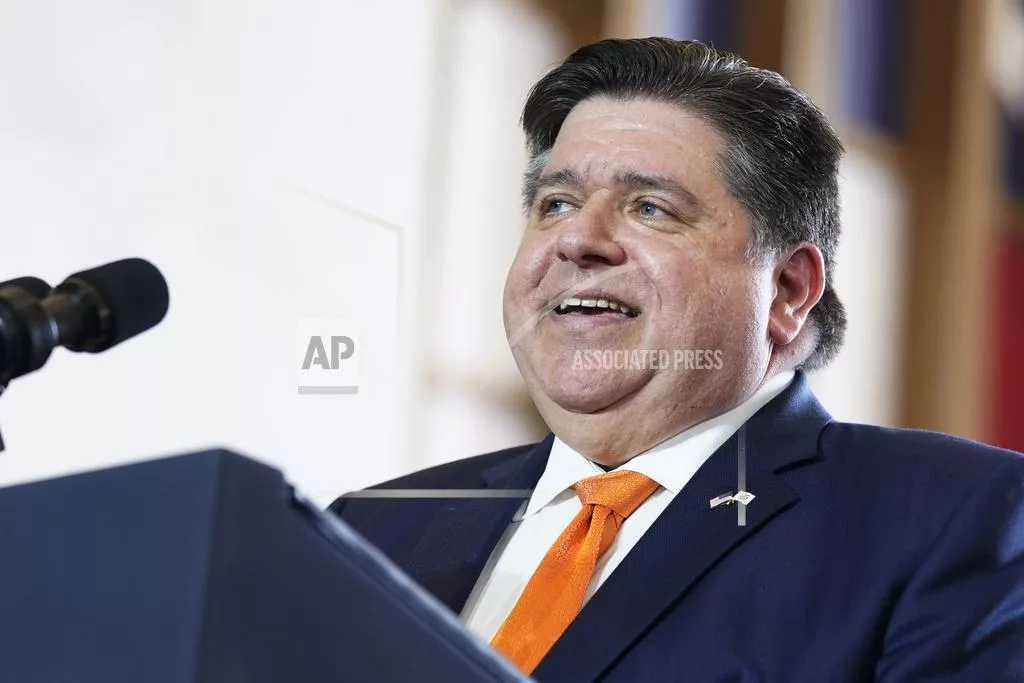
{"type": "Point", "coordinates": [610, 441]}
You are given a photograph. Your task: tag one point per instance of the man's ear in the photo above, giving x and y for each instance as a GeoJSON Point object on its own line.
{"type": "Point", "coordinates": [799, 280]}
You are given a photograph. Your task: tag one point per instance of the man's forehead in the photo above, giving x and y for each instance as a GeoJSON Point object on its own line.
{"type": "Point", "coordinates": [602, 171]}
{"type": "Point", "coordinates": [637, 114]}
{"type": "Point", "coordinates": [593, 169]}
{"type": "Point", "coordinates": [611, 136]}
{"type": "Point", "coordinates": [673, 170]}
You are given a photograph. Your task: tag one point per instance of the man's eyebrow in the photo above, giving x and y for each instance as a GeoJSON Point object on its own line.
{"type": "Point", "coordinates": [635, 181]}
{"type": "Point", "coordinates": [535, 182]}
{"type": "Point", "coordinates": [632, 181]}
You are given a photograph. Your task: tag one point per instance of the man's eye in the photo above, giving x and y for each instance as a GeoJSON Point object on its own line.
{"type": "Point", "coordinates": [554, 206]}
{"type": "Point", "coordinates": [650, 210]}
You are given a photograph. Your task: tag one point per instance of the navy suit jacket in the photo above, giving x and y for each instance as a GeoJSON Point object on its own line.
{"type": "Point", "coordinates": [868, 554]}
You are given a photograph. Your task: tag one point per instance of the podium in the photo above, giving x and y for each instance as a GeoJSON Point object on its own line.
{"type": "Point", "coordinates": [210, 568]}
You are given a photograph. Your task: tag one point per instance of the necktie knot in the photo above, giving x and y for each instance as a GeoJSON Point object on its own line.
{"type": "Point", "coordinates": [622, 491]}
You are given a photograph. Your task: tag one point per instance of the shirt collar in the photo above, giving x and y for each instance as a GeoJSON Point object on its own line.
{"type": "Point", "coordinates": [671, 463]}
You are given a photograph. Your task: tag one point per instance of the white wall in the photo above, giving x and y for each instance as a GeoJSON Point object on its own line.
{"type": "Point", "coordinates": [178, 132]}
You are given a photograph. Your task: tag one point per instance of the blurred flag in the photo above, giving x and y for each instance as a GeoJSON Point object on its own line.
{"type": "Point", "coordinates": [1006, 65]}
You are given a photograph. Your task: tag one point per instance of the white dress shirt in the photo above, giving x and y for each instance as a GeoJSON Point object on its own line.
{"type": "Point", "coordinates": [554, 503]}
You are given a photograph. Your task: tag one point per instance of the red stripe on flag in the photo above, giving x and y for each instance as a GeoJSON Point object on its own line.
{"type": "Point", "coordinates": [1009, 380]}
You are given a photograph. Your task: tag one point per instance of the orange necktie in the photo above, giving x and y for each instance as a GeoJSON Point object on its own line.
{"type": "Point", "coordinates": [555, 592]}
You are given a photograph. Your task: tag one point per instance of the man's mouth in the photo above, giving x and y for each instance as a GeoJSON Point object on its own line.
{"type": "Point", "coordinates": [596, 306]}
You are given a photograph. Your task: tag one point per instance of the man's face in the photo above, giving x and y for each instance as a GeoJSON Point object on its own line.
{"type": "Point", "coordinates": [632, 210]}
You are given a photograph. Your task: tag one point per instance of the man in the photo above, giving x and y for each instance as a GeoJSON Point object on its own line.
{"type": "Point", "coordinates": [695, 514]}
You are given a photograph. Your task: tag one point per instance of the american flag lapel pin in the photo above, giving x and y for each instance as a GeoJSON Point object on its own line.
{"type": "Point", "coordinates": [744, 497]}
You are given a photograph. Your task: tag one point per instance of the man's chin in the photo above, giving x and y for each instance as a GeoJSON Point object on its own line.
{"type": "Point", "coordinates": [586, 398]}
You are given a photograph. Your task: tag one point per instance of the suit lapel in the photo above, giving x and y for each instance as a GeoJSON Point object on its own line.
{"type": "Point", "coordinates": [456, 544]}
{"type": "Point", "coordinates": [689, 538]}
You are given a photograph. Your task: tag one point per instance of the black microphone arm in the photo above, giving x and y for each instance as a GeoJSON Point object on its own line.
{"type": "Point", "coordinates": [90, 311]}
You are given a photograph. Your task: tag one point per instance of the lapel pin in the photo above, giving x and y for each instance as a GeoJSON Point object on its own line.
{"type": "Point", "coordinates": [743, 498]}
{"type": "Point", "coordinates": [724, 499]}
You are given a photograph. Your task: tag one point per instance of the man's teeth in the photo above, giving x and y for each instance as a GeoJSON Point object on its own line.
{"type": "Point", "coordinates": [573, 302]}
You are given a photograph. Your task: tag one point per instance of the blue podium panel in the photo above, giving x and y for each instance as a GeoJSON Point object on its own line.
{"type": "Point", "coordinates": [209, 568]}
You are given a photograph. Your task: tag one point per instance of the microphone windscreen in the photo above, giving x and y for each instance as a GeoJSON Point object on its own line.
{"type": "Point", "coordinates": [30, 285]}
{"type": "Point", "coordinates": [134, 292]}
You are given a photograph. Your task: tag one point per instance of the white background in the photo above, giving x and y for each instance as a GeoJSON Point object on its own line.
{"type": "Point", "coordinates": [198, 135]}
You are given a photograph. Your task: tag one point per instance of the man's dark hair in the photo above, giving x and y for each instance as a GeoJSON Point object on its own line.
{"type": "Point", "coordinates": [781, 156]}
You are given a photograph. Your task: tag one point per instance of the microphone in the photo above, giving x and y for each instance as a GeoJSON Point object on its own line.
{"type": "Point", "coordinates": [32, 286]}
{"type": "Point", "coordinates": [90, 311]}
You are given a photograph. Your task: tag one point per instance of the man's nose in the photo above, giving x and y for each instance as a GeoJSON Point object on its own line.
{"type": "Point", "coordinates": [589, 239]}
